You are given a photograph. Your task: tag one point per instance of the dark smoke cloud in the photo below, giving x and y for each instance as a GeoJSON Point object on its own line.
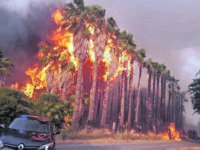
{"type": "Point", "coordinates": [23, 24]}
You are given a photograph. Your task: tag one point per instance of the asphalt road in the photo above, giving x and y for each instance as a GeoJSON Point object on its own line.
{"type": "Point", "coordinates": [129, 146]}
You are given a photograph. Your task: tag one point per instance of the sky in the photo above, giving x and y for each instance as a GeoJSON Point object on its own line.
{"type": "Point", "coordinates": [169, 31]}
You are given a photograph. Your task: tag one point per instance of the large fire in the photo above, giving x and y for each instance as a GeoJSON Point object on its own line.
{"type": "Point", "coordinates": [59, 51]}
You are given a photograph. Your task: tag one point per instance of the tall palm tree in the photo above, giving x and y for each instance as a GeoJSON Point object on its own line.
{"type": "Point", "coordinates": [158, 102]}
{"type": "Point", "coordinates": [81, 47]}
{"type": "Point", "coordinates": [81, 36]}
{"type": "Point", "coordinates": [130, 93]}
{"type": "Point", "coordinates": [173, 92]}
{"type": "Point", "coordinates": [141, 54]}
{"type": "Point", "coordinates": [183, 99]}
{"type": "Point", "coordinates": [169, 103]}
{"type": "Point", "coordinates": [112, 31]}
{"type": "Point", "coordinates": [127, 47]}
{"type": "Point", "coordinates": [166, 76]}
{"type": "Point", "coordinates": [162, 99]}
{"type": "Point", "coordinates": [149, 102]}
{"type": "Point", "coordinates": [154, 96]}
{"type": "Point", "coordinates": [100, 40]}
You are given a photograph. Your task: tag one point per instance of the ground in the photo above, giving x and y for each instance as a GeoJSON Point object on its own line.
{"type": "Point", "coordinates": [153, 145]}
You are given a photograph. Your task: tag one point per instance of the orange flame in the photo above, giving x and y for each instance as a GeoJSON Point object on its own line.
{"type": "Point", "coordinates": [122, 59]}
{"type": "Point", "coordinates": [91, 52]}
{"type": "Point", "coordinates": [29, 89]}
{"type": "Point", "coordinates": [57, 17]}
{"type": "Point", "coordinates": [107, 58]}
{"type": "Point", "coordinates": [174, 134]}
{"type": "Point", "coordinates": [14, 86]}
{"type": "Point", "coordinates": [91, 44]}
{"type": "Point", "coordinates": [61, 54]}
{"type": "Point", "coordinates": [151, 133]}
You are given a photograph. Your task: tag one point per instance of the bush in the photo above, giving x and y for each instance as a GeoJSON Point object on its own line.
{"type": "Point", "coordinates": [13, 103]}
{"type": "Point", "coordinates": [49, 106]}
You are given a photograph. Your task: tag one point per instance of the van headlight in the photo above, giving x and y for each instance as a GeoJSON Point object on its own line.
{"type": "Point", "coordinates": [46, 146]}
{"type": "Point", "coordinates": [1, 144]}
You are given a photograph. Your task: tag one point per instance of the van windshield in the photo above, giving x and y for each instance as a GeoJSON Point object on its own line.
{"type": "Point", "coordinates": [30, 125]}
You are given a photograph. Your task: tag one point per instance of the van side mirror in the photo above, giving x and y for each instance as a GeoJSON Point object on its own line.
{"type": "Point", "coordinates": [56, 132]}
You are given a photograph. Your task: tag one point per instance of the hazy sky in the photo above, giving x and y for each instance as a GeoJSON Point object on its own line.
{"type": "Point", "coordinates": [169, 30]}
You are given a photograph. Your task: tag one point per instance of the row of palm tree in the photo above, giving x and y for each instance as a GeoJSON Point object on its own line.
{"type": "Point", "coordinates": [114, 99]}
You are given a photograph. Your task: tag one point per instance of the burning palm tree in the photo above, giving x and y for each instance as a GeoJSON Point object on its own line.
{"type": "Point", "coordinates": [99, 44]}
{"type": "Point", "coordinates": [110, 69]}
{"type": "Point", "coordinates": [81, 36]}
{"type": "Point", "coordinates": [127, 47]}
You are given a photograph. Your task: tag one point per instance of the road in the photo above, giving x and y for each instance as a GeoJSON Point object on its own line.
{"type": "Point", "coordinates": [128, 146]}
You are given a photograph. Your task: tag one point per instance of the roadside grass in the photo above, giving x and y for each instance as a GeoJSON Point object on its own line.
{"type": "Point", "coordinates": [104, 136]}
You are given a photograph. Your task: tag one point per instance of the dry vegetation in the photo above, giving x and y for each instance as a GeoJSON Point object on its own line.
{"type": "Point", "coordinates": [104, 136]}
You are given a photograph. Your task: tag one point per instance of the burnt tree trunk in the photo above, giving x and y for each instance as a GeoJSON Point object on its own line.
{"type": "Point", "coordinates": [130, 92]}
{"type": "Point", "coordinates": [105, 104]}
{"type": "Point", "coordinates": [148, 103]}
{"type": "Point", "coordinates": [161, 100]}
{"type": "Point", "coordinates": [76, 117]}
{"type": "Point", "coordinates": [168, 108]}
{"type": "Point", "coordinates": [164, 100]}
{"type": "Point", "coordinates": [173, 94]}
{"type": "Point", "coordinates": [65, 82]}
{"type": "Point", "coordinates": [138, 97]}
{"type": "Point", "coordinates": [158, 103]}
{"type": "Point", "coordinates": [52, 81]}
{"type": "Point", "coordinates": [121, 120]}
{"type": "Point", "coordinates": [93, 93]}
{"type": "Point", "coordinates": [154, 102]}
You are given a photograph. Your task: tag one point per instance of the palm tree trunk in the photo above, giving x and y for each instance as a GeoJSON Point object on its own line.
{"type": "Point", "coordinates": [169, 106]}
{"type": "Point", "coordinates": [121, 120]}
{"type": "Point", "coordinates": [76, 117]}
{"type": "Point", "coordinates": [154, 100]}
{"type": "Point", "coordinates": [81, 107]}
{"type": "Point", "coordinates": [164, 100]}
{"type": "Point", "coordinates": [181, 112]}
{"type": "Point", "coordinates": [65, 82]}
{"type": "Point", "coordinates": [93, 92]}
{"type": "Point", "coordinates": [105, 104]}
{"type": "Point", "coordinates": [138, 98]}
{"type": "Point", "coordinates": [148, 103]}
{"type": "Point", "coordinates": [158, 103]}
{"type": "Point", "coordinates": [173, 102]}
{"type": "Point", "coordinates": [130, 96]}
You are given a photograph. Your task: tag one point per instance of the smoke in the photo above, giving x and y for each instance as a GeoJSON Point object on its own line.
{"type": "Point", "coordinates": [23, 24]}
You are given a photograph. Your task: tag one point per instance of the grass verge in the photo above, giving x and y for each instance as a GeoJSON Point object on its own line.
{"type": "Point", "coordinates": [104, 136]}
